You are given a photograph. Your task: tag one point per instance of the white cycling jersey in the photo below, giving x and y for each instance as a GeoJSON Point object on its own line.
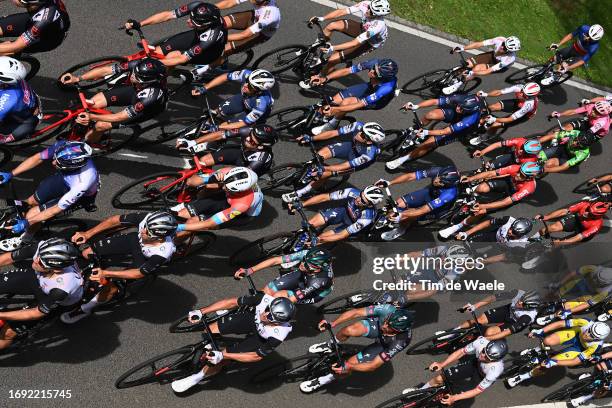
{"type": "Point", "coordinates": [502, 236]}
{"type": "Point", "coordinates": [85, 182]}
{"type": "Point", "coordinates": [375, 29]}
{"type": "Point", "coordinates": [489, 371]}
{"type": "Point", "coordinates": [505, 59]}
{"type": "Point", "coordinates": [165, 250]}
{"type": "Point", "coordinates": [70, 281]}
{"type": "Point", "coordinates": [278, 332]}
{"type": "Point", "coordinates": [267, 19]}
{"type": "Point", "coordinates": [527, 106]}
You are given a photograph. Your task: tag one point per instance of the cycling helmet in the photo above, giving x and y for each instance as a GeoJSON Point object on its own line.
{"type": "Point", "coordinates": [596, 32]}
{"type": "Point", "coordinates": [150, 71]}
{"type": "Point", "coordinates": [449, 177]}
{"type": "Point", "coordinates": [57, 253]}
{"type": "Point", "coordinates": [531, 300]}
{"type": "Point", "coordinates": [603, 276]}
{"type": "Point", "coordinates": [34, 2]}
{"type": "Point", "coordinates": [531, 169]}
{"type": "Point", "coordinates": [456, 252]}
{"type": "Point", "coordinates": [372, 195]}
{"type": "Point", "coordinates": [160, 224]}
{"type": "Point", "coordinates": [12, 71]}
{"type": "Point", "coordinates": [373, 132]}
{"type": "Point", "coordinates": [317, 258]}
{"type": "Point", "coordinates": [521, 227]}
{"type": "Point", "coordinates": [599, 331]}
{"type": "Point", "coordinates": [386, 69]}
{"type": "Point", "coordinates": [496, 350]}
{"type": "Point", "coordinates": [380, 7]}
{"type": "Point", "coordinates": [261, 80]}
{"type": "Point", "coordinates": [586, 138]}
{"type": "Point", "coordinates": [531, 89]}
{"type": "Point", "coordinates": [206, 16]}
{"type": "Point", "coordinates": [265, 134]}
{"type": "Point", "coordinates": [240, 179]}
{"type": "Point", "coordinates": [282, 310]}
{"type": "Point", "coordinates": [596, 209]}
{"type": "Point", "coordinates": [512, 44]}
{"type": "Point", "coordinates": [603, 107]}
{"type": "Point", "coordinates": [532, 146]}
{"type": "Point", "coordinates": [470, 104]}
{"type": "Point", "coordinates": [401, 320]}
{"type": "Point", "coordinates": [72, 155]}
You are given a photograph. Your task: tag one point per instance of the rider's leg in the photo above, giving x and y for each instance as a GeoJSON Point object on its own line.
{"type": "Point", "coordinates": [432, 117]}
{"type": "Point", "coordinates": [94, 135]}
{"type": "Point", "coordinates": [239, 21]}
{"type": "Point", "coordinates": [7, 336]}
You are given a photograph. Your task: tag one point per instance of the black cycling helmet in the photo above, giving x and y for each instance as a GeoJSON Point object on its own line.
{"type": "Point", "coordinates": [496, 350]}
{"type": "Point", "coordinates": [401, 320]}
{"type": "Point", "coordinates": [150, 71]}
{"type": "Point", "coordinates": [282, 310]}
{"type": "Point", "coordinates": [57, 253]}
{"type": "Point", "coordinates": [531, 300]}
{"type": "Point", "coordinates": [386, 69]}
{"type": "Point", "coordinates": [35, 2]}
{"type": "Point", "coordinates": [449, 177]}
{"type": "Point", "coordinates": [265, 134]}
{"type": "Point", "coordinates": [206, 16]}
{"type": "Point", "coordinates": [160, 224]}
{"type": "Point", "coordinates": [521, 227]}
{"type": "Point", "coordinates": [586, 138]}
{"type": "Point", "coordinates": [470, 104]}
{"type": "Point", "coordinates": [317, 258]}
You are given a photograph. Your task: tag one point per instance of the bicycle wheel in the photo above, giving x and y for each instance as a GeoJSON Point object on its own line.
{"type": "Point", "coordinates": [194, 245]}
{"type": "Point", "coordinates": [526, 74]}
{"type": "Point", "coordinates": [260, 249]}
{"type": "Point", "coordinates": [388, 148]}
{"type": "Point", "coordinates": [239, 61]}
{"type": "Point", "coordinates": [297, 369]}
{"type": "Point", "coordinates": [45, 129]}
{"type": "Point", "coordinates": [414, 399]}
{"type": "Point", "coordinates": [183, 325]}
{"type": "Point", "coordinates": [145, 190]}
{"type": "Point", "coordinates": [340, 304]}
{"type": "Point", "coordinates": [85, 66]}
{"type": "Point", "coordinates": [6, 155]}
{"type": "Point", "coordinates": [434, 345]}
{"type": "Point", "coordinates": [278, 176]}
{"type": "Point", "coordinates": [424, 81]}
{"type": "Point", "coordinates": [569, 391]}
{"type": "Point", "coordinates": [115, 139]}
{"type": "Point", "coordinates": [31, 63]}
{"type": "Point", "coordinates": [561, 79]}
{"type": "Point", "coordinates": [165, 130]}
{"type": "Point", "coordinates": [163, 369]}
{"type": "Point", "coordinates": [586, 188]}
{"type": "Point", "coordinates": [63, 228]}
{"type": "Point", "coordinates": [281, 59]}
{"type": "Point", "coordinates": [288, 119]}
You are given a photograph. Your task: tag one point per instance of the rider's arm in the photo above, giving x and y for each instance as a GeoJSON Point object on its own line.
{"type": "Point", "coordinates": [329, 134]}
{"type": "Point", "coordinates": [339, 73]}
{"type": "Point", "coordinates": [475, 45]}
{"type": "Point", "coordinates": [227, 4]}
{"type": "Point", "coordinates": [220, 80]}
{"type": "Point", "coordinates": [602, 179]}
{"type": "Point", "coordinates": [318, 199]}
{"type": "Point", "coordinates": [105, 225]}
{"type": "Point", "coordinates": [158, 18]}
{"type": "Point", "coordinates": [556, 214]}
{"type": "Point", "coordinates": [13, 47]}
{"type": "Point", "coordinates": [482, 176]}
{"type": "Point", "coordinates": [349, 315]}
{"type": "Point", "coordinates": [574, 239]}
{"type": "Point", "coordinates": [128, 274]}
{"type": "Point", "coordinates": [566, 39]}
{"type": "Point", "coordinates": [368, 366]}
{"type": "Point", "coordinates": [455, 356]}
{"type": "Point", "coordinates": [224, 304]}
{"type": "Point", "coordinates": [27, 164]}
{"type": "Point", "coordinates": [412, 213]}
{"type": "Point", "coordinates": [340, 167]}
{"type": "Point", "coordinates": [118, 117]}
{"type": "Point", "coordinates": [557, 169]}
{"type": "Point", "coordinates": [349, 44]}
{"type": "Point", "coordinates": [569, 112]}
{"type": "Point", "coordinates": [331, 236]}
{"type": "Point", "coordinates": [277, 260]}
{"type": "Point", "coordinates": [96, 73]}
{"type": "Point", "coordinates": [22, 315]}
{"type": "Point", "coordinates": [336, 13]}
{"type": "Point", "coordinates": [404, 178]}
{"type": "Point", "coordinates": [479, 227]}
{"type": "Point", "coordinates": [250, 357]}
{"type": "Point", "coordinates": [495, 205]}
{"type": "Point", "coordinates": [45, 215]}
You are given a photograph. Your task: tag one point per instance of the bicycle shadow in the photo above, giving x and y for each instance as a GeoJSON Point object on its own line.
{"type": "Point", "coordinates": [554, 96]}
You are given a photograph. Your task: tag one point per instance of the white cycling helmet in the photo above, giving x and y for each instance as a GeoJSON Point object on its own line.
{"type": "Point", "coordinates": [373, 195]}
{"type": "Point", "coordinates": [531, 89]}
{"type": "Point", "coordinates": [596, 32]}
{"type": "Point", "coordinates": [380, 7]}
{"type": "Point", "coordinates": [456, 252]}
{"type": "Point", "coordinates": [373, 132]}
{"type": "Point", "coordinates": [262, 80]}
{"type": "Point", "coordinates": [603, 107]}
{"type": "Point", "coordinates": [512, 44]}
{"type": "Point", "coordinates": [599, 331]}
{"type": "Point", "coordinates": [12, 71]}
{"type": "Point", "coordinates": [239, 180]}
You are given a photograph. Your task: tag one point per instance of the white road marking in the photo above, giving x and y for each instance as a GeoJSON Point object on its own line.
{"type": "Point", "coordinates": [134, 156]}
{"type": "Point", "coordinates": [594, 404]}
{"type": "Point", "coordinates": [444, 41]}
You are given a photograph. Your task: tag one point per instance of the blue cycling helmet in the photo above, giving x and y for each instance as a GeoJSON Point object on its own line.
{"type": "Point", "coordinates": [532, 146]}
{"type": "Point", "coordinates": [386, 69]}
{"type": "Point", "coordinates": [449, 176]}
{"type": "Point", "coordinates": [72, 155]}
{"type": "Point", "coordinates": [470, 104]}
{"type": "Point", "coordinates": [531, 169]}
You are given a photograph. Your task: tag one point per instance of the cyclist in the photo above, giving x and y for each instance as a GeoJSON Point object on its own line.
{"type": "Point", "coordinates": [306, 276]}
{"type": "Point", "coordinates": [424, 204]}
{"type": "Point", "coordinates": [485, 364]}
{"type": "Point", "coordinates": [355, 216]}
{"type": "Point", "coordinates": [359, 153]}
{"type": "Point", "coordinates": [585, 44]}
{"type": "Point", "coordinates": [43, 27]}
{"type": "Point", "coordinates": [367, 35]}
{"type": "Point", "coordinates": [499, 60]}
{"type": "Point", "coordinates": [266, 322]}
{"type": "Point", "coordinates": [372, 95]}
{"type": "Point", "coordinates": [596, 119]}
{"type": "Point", "coordinates": [582, 339]}
{"type": "Point", "coordinates": [389, 326]}
{"type": "Point", "coordinates": [254, 151]}
{"type": "Point", "coordinates": [568, 149]}
{"type": "Point", "coordinates": [202, 45]}
{"type": "Point", "coordinates": [257, 25]}
{"type": "Point", "coordinates": [604, 181]}
{"type": "Point", "coordinates": [239, 195]}
{"type": "Point", "coordinates": [74, 185]}
{"type": "Point", "coordinates": [606, 97]}
{"type": "Point", "coordinates": [145, 95]}
{"type": "Point", "coordinates": [252, 105]}
{"type": "Point", "coordinates": [150, 248]}
{"type": "Point", "coordinates": [603, 364]}
{"type": "Point", "coordinates": [522, 150]}
{"type": "Point", "coordinates": [583, 220]}
{"type": "Point", "coordinates": [20, 106]}
{"type": "Point", "coordinates": [47, 270]}
{"type": "Point", "coordinates": [463, 112]}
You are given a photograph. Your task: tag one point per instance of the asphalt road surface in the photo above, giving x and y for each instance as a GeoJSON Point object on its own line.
{"type": "Point", "coordinates": [88, 357]}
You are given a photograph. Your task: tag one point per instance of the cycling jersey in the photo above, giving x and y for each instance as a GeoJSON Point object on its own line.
{"type": "Point", "coordinates": [599, 124]}
{"type": "Point", "coordinates": [83, 182]}
{"type": "Point", "coordinates": [510, 316]}
{"type": "Point", "coordinates": [522, 188]}
{"type": "Point", "coordinates": [205, 44]}
{"type": "Point", "coordinates": [584, 48]}
{"type": "Point", "coordinates": [519, 155]}
{"type": "Point", "coordinates": [256, 108]}
{"type": "Point", "coordinates": [490, 371]}
{"type": "Point", "coordinates": [359, 155]}
{"type": "Point", "coordinates": [440, 271]}
{"type": "Point", "coordinates": [386, 347]}
{"type": "Point", "coordinates": [267, 18]}
{"type": "Point", "coordinates": [504, 224]}
{"type": "Point", "coordinates": [350, 217]}
{"type": "Point", "coordinates": [463, 123]}
{"type": "Point", "coordinates": [18, 102]}
{"type": "Point", "coordinates": [165, 250]}
{"type": "Point", "coordinates": [258, 160]}
{"type": "Point", "coordinates": [589, 226]}
{"type": "Point", "coordinates": [573, 336]}
{"type": "Point", "coordinates": [378, 94]}
{"type": "Point", "coordinates": [441, 196]}
{"type": "Point", "coordinates": [527, 107]}
{"type": "Point", "coordinates": [576, 154]}
{"type": "Point", "coordinates": [374, 28]}
{"type": "Point", "coordinates": [504, 58]}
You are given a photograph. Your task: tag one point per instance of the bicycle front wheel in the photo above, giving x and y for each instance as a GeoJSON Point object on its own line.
{"type": "Point", "coordinates": [289, 119]}
{"type": "Point", "coordinates": [115, 139]}
{"type": "Point", "coordinates": [85, 66]}
{"type": "Point", "coordinates": [260, 249]}
{"type": "Point", "coordinates": [415, 399]}
{"type": "Point", "coordinates": [424, 81]}
{"type": "Point", "coordinates": [146, 190]}
{"type": "Point", "coordinates": [526, 74]}
{"type": "Point", "coordinates": [281, 59]}
{"type": "Point", "coordinates": [165, 131]}
{"type": "Point", "coordinates": [297, 369]}
{"type": "Point", "coordinates": [340, 304]}
{"type": "Point", "coordinates": [569, 391]}
{"type": "Point", "coordinates": [31, 63]}
{"type": "Point", "coordinates": [278, 176]}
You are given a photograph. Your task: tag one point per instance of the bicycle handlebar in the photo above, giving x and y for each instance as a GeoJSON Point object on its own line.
{"type": "Point", "coordinates": [334, 342]}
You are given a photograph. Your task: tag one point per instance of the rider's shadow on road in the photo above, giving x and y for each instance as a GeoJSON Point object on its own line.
{"type": "Point", "coordinates": [554, 96]}
{"type": "Point", "coordinates": [544, 195]}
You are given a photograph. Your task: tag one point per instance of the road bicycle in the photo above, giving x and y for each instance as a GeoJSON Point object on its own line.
{"type": "Point", "coordinates": [586, 384]}
{"type": "Point", "coordinates": [539, 72]}
{"type": "Point", "coordinates": [592, 189]}
{"type": "Point", "coordinates": [422, 398]}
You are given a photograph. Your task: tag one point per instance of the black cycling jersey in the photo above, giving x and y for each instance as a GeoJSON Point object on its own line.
{"type": "Point", "coordinates": [257, 160]}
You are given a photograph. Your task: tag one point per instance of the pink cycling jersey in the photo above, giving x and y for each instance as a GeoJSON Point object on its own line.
{"type": "Point", "coordinates": [599, 124]}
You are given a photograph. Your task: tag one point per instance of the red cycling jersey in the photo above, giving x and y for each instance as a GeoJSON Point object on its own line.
{"type": "Point", "coordinates": [520, 156]}
{"type": "Point", "coordinates": [590, 226]}
{"type": "Point", "coordinates": [522, 188]}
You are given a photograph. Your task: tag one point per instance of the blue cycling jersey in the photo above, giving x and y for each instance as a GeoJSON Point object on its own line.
{"type": "Point", "coordinates": [378, 92]}
{"type": "Point", "coordinates": [257, 105]}
{"type": "Point", "coordinates": [355, 218]}
{"type": "Point", "coordinates": [583, 47]}
{"type": "Point", "coordinates": [465, 122]}
{"type": "Point", "coordinates": [363, 153]}
{"type": "Point", "coordinates": [440, 197]}
{"type": "Point", "coordinates": [18, 102]}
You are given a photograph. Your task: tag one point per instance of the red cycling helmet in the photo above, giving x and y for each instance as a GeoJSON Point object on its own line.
{"type": "Point", "coordinates": [597, 209]}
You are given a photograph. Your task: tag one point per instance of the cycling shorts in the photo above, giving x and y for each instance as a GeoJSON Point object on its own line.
{"type": "Point", "coordinates": [464, 376]}
{"type": "Point", "coordinates": [502, 185]}
{"type": "Point", "coordinates": [17, 24]}
{"type": "Point", "coordinates": [344, 151]}
{"type": "Point", "coordinates": [571, 223]}
{"type": "Point", "coordinates": [559, 151]}
{"type": "Point", "coordinates": [51, 190]}
{"type": "Point", "coordinates": [183, 42]}
{"type": "Point", "coordinates": [229, 155]}
{"type": "Point", "coordinates": [571, 339]}
{"type": "Point", "coordinates": [208, 206]}
{"type": "Point", "coordinates": [336, 216]}
{"type": "Point", "coordinates": [126, 95]}
{"type": "Point", "coordinates": [117, 247]}
{"type": "Point", "coordinates": [369, 353]}
{"type": "Point", "coordinates": [19, 130]}
{"type": "Point", "coordinates": [445, 139]}
{"type": "Point", "coordinates": [362, 90]}
{"type": "Point", "coordinates": [567, 54]}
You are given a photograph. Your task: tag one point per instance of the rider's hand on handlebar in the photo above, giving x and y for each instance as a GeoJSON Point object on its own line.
{"type": "Point", "coordinates": [214, 357]}
{"type": "Point", "coordinates": [468, 307]}
{"type": "Point", "coordinates": [435, 366]}
{"type": "Point", "coordinates": [304, 139]}
{"type": "Point", "coordinates": [5, 177]}
{"type": "Point", "coordinates": [594, 180]}
{"type": "Point", "coordinates": [68, 79]}
{"type": "Point", "coordinates": [382, 183]}
{"type": "Point", "coordinates": [195, 316]}
{"type": "Point", "coordinates": [97, 275]}
{"type": "Point", "coordinates": [315, 19]}
{"type": "Point", "coordinates": [79, 238]}
{"type": "Point", "coordinates": [464, 179]}
{"type": "Point", "coordinates": [182, 143]}
{"type": "Point", "coordinates": [323, 325]}
{"type": "Point", "coordinates": [482, 94]}
{"type": "Point", "coordinates": [242, 272]}
{"type": "Point", "coordinates": [585, 102]}
{"type": "Point", "coordinates": [318, 80]}
{"type": "Point", "coordinates": [553, 46]}
{"type": "Point", "coordinates": [458, 48]}
{"type": "Point", "coordinates": [538, 217]}
{"type": "Point", "coordinates": [462, 236]}
{"type": "Point", "coordinates": [199, 90]}
{"type": "Point", "coordinates": [536, 333]}
{"type": "Point", "coordinates": [131, 24]}
{"type": "Point", "coordinates": [83, 118]}
{"type": "Point", "coordinates": [477, 153]}
{"type": "Point", "coordinates": [555, 114]}
{"type": "Point", "coordinates": [410, 106]}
